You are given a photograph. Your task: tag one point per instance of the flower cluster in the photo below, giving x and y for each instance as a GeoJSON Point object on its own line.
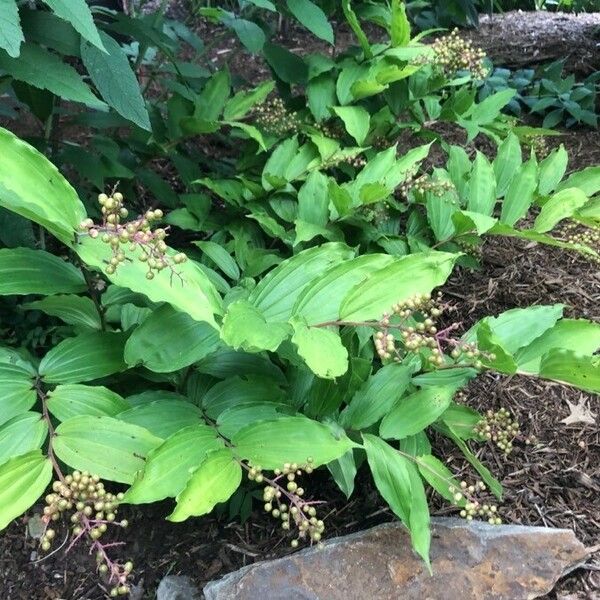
{"type": "Point", "coordinates": [500, 428]}
{"type": "Point", "coordinates": [415, 322]}
{"type": "Point", "coordinates": [538, 144]}
{"type": "Point", "coordinates": [273, 117]}
{"type": "Point", "coordinates": [93, 510]}
{"type": "Point", "coordinates": [466, 496]}
{"type": "Point", "coordinates": [138, 234]}
{"type": "Point", "coordinates": [284, 501]}
{"type": "Point", "coordinates": [424, 185]}
{"type": "Point", "coordinates": [453, 54]}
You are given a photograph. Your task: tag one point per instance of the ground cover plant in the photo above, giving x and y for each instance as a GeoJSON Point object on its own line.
{"type": "Point", "coordinates": [271, 303]}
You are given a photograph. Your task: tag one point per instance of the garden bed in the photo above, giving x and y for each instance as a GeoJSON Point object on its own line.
{"type": "Point", "coordinates": [554, 483]}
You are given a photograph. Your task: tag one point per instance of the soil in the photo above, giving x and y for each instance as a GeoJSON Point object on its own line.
{"type": "Point", "coordinates": [554, 483]}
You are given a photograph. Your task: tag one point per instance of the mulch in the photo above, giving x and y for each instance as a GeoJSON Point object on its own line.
{"type": "Point", "coordinates": [554, 483]}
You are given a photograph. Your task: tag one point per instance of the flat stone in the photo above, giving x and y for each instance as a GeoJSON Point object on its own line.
{"type": "Point", "coordinates": [177, 587]}
{"type": "Point", "coordinates": [469, 561]}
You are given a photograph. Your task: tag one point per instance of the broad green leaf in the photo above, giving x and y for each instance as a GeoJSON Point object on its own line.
{"type": "Point", "coordinates": [241, 103]}
{"type": "Point", "coordinates": [490, 343]}
{"type": "Point", "coordinates": [320, 300]}
{"type": "Point", "coordinates": [579, 336]}
{"type": "Point", "coordinates": [270, 444]}
{"type": "Point", "coordinates": [220, 257]}
{"type": "Point", "coordinates": [312, 17]}
{"type": "Point", "coordinates": [321, 96]}
{"type": "Point", "coordinates": [459, 166]}
{"type": "Point", "coordinates": [168, 466]}
{"type": "Point", "coordinates": [112, 449]}
{"type": "Point", "coordinates": [23, 433]}
{"type": "Point", "coordinates": [461, 420]}
{"type": "Point", "coordinates": [84, 357]}
{"type": "Point", "coordinates": [587, 180]}
{"type": "Point", "coordinates": [455, 378]}
{"type": "Point", "coordinates": [506, 164]}
{"type": "Point", "coordinates": [399, 26]}
{"type": "Point", "coordinates": [289, 67]}
{"type": "Point", "coordinates": [519, 196]}
{"type": "Point", "coordinates": [571, 368]}
{"type": "Point", "coordinates": [250, 34]}
{"type": "Point", "coordinates": [518, 327]}
{"type": "Point", "coordinates": [438, 476]}
{"type": "Point", "coordinates": [313, 199]}
{"type": "Point", "coordinates": [277, 292]}
{"type": "Point", "coordinates": [214, 481]}
{"type": "Point", "coordinates": [561, 205]}
{"type": "Point", "coordinates": [552, 170]}
{"type": "Point", "coordinates": [188, 289]}
{"type": "Point", "coordinates": [115, 80]}
{"type": "Point", "coordinates": [470, 222]}
{"type": "Point", "coordinates": [211, 101]}
{"type": "Point", "coordinates": [73, 400]}
{"type": "Point", "coordinates": [405, 277]}
{"type": "Point", "coordinates": [169, 340]}
{"type": "Point", "coordinates": [233, 419]}
{"type": "Point", "coordinates": [77, 12]}
{"type": "Point", "coordinates": [343, 470]}
{"type": "Point", "coordinates": [489, 109]}
{"type": "Point", "coordinates": [236, 391]}
{"type": "Point", "coordinates": [23, 480]}
{"type": "Point", "coordinates": [75, 310]}
{"type": "Point", "coordinates": [11, 34]}
{"type": "Point", "coordinates": [321, 349]}
{"type": "Point", "coordinates": [26, 271]}
{"type": "Point", "coordinates": [356, 120]}
{"type": "Point", "coordinates": [46, 71]}
{"type": "Point", "coordinates": [17, 394]}
{"type": "Point", "coordinates": [245, 327]}
{"type": "Point", "coordinates": [251, 131]}
{"type": "Point", "coordinates": [415, 412]}
{"type": "Point", "coordinates": [376, 396]}
{"type": "Point", "coordinates": [163, 418]}
{"type": "Point", "coordinates": [492, 483]}
{"type": "Point", "coordinates": [440, 212]}
{"type": "Point", "coordinates": [32, 186]}
{"type": "Point", "coordinates": [46, 29]}
{"type": "Point", "coordinates": [482, 187]}
{"type": "Point", "coordinates": [398, 481]}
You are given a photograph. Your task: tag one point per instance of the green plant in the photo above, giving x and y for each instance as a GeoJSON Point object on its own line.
{"type": "Point", "coordinates": [278, 311]}
{"type": "Point", "coordinates": [329, 357]}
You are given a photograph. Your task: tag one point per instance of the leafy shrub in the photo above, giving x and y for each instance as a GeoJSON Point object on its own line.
{"type": "Point", "coordinates": [292, 320]}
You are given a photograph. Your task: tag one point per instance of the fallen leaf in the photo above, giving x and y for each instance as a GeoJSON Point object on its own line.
{"type": "Point", "coordinates": [579, 413]}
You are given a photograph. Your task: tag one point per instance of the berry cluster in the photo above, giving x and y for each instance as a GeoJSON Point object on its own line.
{"type": "Point", "coordinates": [427, 185]}
{"type": "Point", "coordinates": [453, 54]}
{"type": "Point", "coordinates": [576, 234]}
{"type": "Point", "coordinates": [93, 510]}
{"type": "Point", "coordinates": [469, 351]}
{"type": "Point", "coordinates": [471, 247]}
{"type": "Point", "coordinates": [137, 233]}
{"type": "Point", "coordinates": [466, 496]}
{"type": "Point", "coordinates": [273, 117]}
{"type": "Point", "coordinates": [415, 321]}
{"type": "Point", "coordinates": [284, 500]}
{"type": "Point", "coordinates": [538, 144]}
{"type": "Point", "coordinates": [377, 212]}
{"type": "Point", "coordinates": [500, 428]}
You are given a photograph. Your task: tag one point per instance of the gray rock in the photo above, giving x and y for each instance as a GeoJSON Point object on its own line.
{"type": "Point", "coordinates": [177, 587]}
{"type": "Point", "coordinates": [470, 561]}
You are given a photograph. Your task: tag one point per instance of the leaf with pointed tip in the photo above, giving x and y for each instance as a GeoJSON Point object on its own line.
{"type": "Point", "coordinates": [214, 481]}
{"type": "Point", "coordinates": [17, 394]}
{"type": "Point", "coordinates": [22, 434]}
{"type": "Point", "coordinates": [168, 466]}
{"type": "Point", "coordinates": [289, 439]}
{"type": "Point", "coordinates": [23, 480]}
{"type": "Point", "coordinates": [72, 400]}
{"type": "Point", "coordinates": [75, 310]}
{"type": "Point", "coordinates": [112, 449]}
{"type": "Point", "coordinates": [84, 357]}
